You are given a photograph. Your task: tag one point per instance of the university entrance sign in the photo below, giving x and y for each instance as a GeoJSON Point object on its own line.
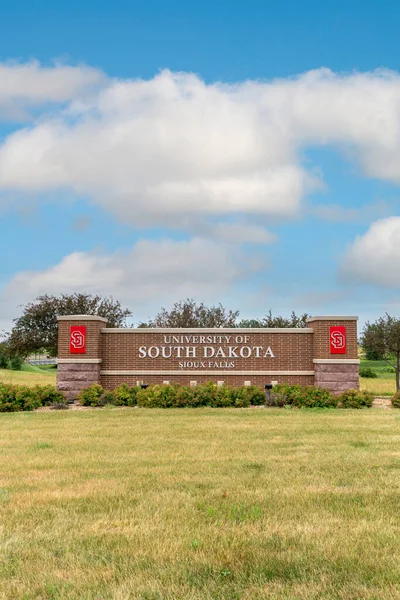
{"type": "Point", "coordinates": [323, 354]}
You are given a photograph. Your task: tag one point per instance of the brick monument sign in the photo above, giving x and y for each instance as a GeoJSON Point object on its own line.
{"type": "Point", "coordinates": [323, 354]}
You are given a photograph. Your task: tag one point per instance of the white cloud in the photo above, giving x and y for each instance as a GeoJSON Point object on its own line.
{"type": "Point", "coordinates": [144, 277]}
{"type": "Point", "coordinates": [24, 85]}
{"type": "Point", "coordinates": [241, 233]}
{"type": "Point", "coordinates": [174, 151]}
{"type": "Point", "coordinates": [342, 214]}
{"type": "Point", "coordinates": [374, 257]}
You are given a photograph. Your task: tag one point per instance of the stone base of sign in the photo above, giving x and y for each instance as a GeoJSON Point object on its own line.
{"type": "Point", "coordinates": [73, 377]}
{"type": "Point", "coordinates": [337, 377]}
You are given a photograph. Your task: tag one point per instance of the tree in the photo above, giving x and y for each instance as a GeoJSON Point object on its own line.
{"type": "Point", "coordinates": [188, 313]}
{"type": "Point", "coordinates": [383, 337]}
{"type": "Point", "coordinates": [368, 342]}
{"type": "Point", "coordinates": [270, 321]}
{"type": "Point", "coordinates": [37, 328]}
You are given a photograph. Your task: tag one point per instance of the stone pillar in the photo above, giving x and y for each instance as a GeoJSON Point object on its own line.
{"type": "Point", "coordinates": [335, 367]}
{"type": "Point", "coordinates": [79, 370]}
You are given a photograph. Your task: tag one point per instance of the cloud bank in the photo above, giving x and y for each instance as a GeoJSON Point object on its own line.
{"type": "Point", "coordinates": [374, 257]}
{"type": "Point", "coordinates": [140, 276]}
{"type": "Point", "coordinates": [221, 163]}
{"type": "Point", "coordinates": [28, 85]}
{"type": "Point", "coordinates": [174, 150]}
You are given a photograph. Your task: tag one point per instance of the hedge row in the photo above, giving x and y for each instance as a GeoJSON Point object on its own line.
{"type": "Point", "coordinates": [178, 396]}
{"type": "Point", "coordinates": [15, 398]}
{"type": "Point", "coordinates": [21, 398]}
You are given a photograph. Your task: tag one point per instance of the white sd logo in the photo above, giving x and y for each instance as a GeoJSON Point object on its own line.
{"type": "Point", "coordinates": [77, 339]}
{"type": "Point", "coordinates": [338, 339]}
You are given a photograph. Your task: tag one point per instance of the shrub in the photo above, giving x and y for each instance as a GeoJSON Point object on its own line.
{"type": "Point", "coordinates": [304, 397]}
{"type": "Point", "coordinates": [14, 398]}
{"type": "Point", "coordinates": [389, 369]}
{"type": "Point", "coordinates": [105, 398]}
{"type": "Point", "coordinates": [204, 394]}
{"type": "Point", "coordinates": [287, 392]}
{"type": "Point", "coordinates": [240, 398]}
{"type": "Point", "coordinates": [9, 360]}
{"type": "Point", "coordinates": [15, 362]}
{"type": "Point", "coordinates": [8, 398]}
{"type": "Point", "coordinates": [157, 396]}
{"type": "Point", "coordinates": [315, 397]}
{"type": "Point", "coordinates": [222, 397]}
{"type": "Point", "coordinates": [49, 395]}
{"type": "Point", "coordinates": [28, 398]}
{"type": "Point", "coordinates": [62, 405]}
{"type": "Point", "coordinates": [91, 395]}
{"type": "Point", "coordinates": [186, 397]}
{"type": "Point", "coordinates": [278, 399]}
{"type": "Point", "coordinates": [255, 395]}
{"type": "Point", "coordinates": [355, 399]}
{"type": "Point", "coordinates": [124, 395]}
{"type": "Point", "coordinates": [369, 373]}
{"type": "Point", "coordinates": [19, 397]}
{"type": "Point", "coordinates": [396, 400]}
{"type": "Point", "coordinates": [3, 356]}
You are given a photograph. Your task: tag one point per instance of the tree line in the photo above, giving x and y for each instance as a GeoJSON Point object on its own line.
{"type": "Point", "coordinates": [36, 330]}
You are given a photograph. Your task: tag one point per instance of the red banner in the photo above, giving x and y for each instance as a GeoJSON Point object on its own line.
{"type": "Point", "coordinates": [337, 338]}
{"type": "Point", "coordinates": [77, 339]}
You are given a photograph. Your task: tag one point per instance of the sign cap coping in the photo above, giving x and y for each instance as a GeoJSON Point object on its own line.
{"type": "Point", "coordinates": [81, 318]}
{"type": "Point", "coordinates": [332, 318]}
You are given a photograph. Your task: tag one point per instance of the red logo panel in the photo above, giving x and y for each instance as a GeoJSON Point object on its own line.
{"type": "Point", "coordinates": [77, 339]}
{"type": "Point", "coordinates": [337, 339]}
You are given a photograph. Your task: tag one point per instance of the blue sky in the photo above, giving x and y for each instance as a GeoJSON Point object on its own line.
{"type": "Point", "coordinates": [158, 150]}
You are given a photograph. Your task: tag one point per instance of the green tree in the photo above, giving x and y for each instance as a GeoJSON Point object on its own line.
{"type": "Point", "coordinates": [368, 342]}
{"type": "Point", "coordinates": [188, 313]}
{"type": "Point", "coordinates": [383, 338]}
{"type": "Point", "coordinates": [270, 321]}
{"type": "Point", "coordinates": [37, 327]}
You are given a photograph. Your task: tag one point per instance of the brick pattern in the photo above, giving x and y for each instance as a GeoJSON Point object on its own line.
{"type": "Point", "coordinates": [337, 378]}
{"type": "Point", "coordinates": [293, 352]}
{"type": "Point", "coordinates": [93, 335]}
{"type": "Point", "coordinates": [72, 377]}
{"type": "Point", "coordinates": [321, 339]}
{"type": "Point", "coordinates": [110, 382]}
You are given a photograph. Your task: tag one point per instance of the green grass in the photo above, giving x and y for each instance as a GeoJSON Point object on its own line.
{"type": "Point", "coordinates": [200, 504]}
{"type": "Point", "coordinates": [384, 384]}
{"type": "Point", "coordinates": [379, 367]}
{"type": "Point", "coordinates": [29, 375]}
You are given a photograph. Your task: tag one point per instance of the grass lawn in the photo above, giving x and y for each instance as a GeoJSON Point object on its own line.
{"type": "Point", "coordinates": [200, 504]}
{"type": "Point", "coordinates": [384, 384]}
{"type": "Point", "coordinates": [30, 375]}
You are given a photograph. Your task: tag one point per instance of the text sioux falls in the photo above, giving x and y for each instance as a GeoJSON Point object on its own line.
{"type": "Point", "coordinates": [207, 347]}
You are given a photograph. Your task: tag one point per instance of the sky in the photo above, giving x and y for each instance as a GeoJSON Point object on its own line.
{"type": "Point", "coordinates": [238, 152]}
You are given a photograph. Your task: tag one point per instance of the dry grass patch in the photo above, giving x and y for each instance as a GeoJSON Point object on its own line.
{"type": "Point", "coordinates": [31, 378]}
{"type": "Point", "coordinates": [200, 504]}
{"type": "Point", "coordinates": [379, 387]}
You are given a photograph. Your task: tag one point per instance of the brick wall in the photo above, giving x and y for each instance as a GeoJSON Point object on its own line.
{"type": "Point", "coordinates": [93, 337]}
{"type": "Point", "coordinates": [110, 382]}
{"type": "Point", "coordinates": [321, 338]}
{"type": "Point", "coordinates": [292, 351]}
{"type": "Point", "coordinates": [114, 356]}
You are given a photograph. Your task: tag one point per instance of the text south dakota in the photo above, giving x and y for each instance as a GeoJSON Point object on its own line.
{"type": "Point", "coordinates": [205, 352]}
